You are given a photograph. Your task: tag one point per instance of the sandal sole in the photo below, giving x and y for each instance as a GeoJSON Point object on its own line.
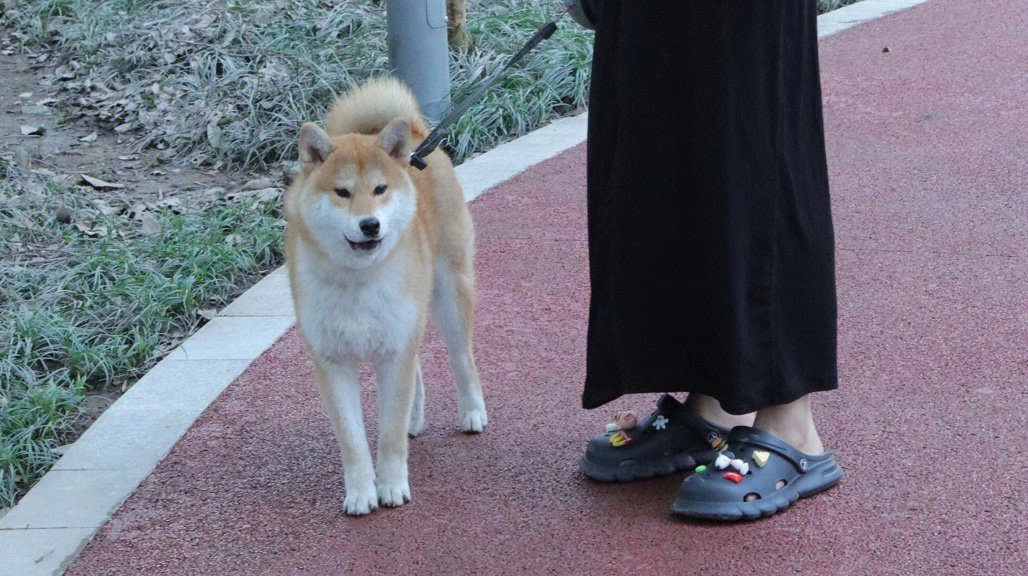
{"type": "Point", "coordinates": [633, 470]}
{"type": "Point", "coordinates": [809, 484]}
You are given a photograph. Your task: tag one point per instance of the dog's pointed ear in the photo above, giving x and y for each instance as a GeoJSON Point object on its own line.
{"type": "Point", "coordinates": [314, 146]}
{"type": "Point", "coordinates": [395, 139]}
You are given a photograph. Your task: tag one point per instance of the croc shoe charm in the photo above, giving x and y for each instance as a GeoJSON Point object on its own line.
{"type": "Point", "coordinates": [760, 457]}
{"type": "Point", "coordinates": [622, 422]}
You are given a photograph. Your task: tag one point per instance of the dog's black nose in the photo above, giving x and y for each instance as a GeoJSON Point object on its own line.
{"type": "Point", "coordinates": [369, 226]}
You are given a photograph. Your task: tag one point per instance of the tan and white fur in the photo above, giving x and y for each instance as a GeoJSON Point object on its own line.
{"type": "Point", "coordinates": [372, 245]}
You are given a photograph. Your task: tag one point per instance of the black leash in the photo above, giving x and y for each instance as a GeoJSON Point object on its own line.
{"type": "Point", "coordinates": [431, 142]}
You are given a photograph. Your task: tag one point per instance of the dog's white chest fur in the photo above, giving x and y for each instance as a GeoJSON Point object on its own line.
{"type": "Point", "coordinates": [361, 315]}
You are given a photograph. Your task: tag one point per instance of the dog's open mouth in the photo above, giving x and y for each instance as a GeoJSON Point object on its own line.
{"type": "Point", "coordinates": [365, 246]}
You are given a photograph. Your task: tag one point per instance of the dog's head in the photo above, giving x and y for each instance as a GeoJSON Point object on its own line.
{"type": "Point", "coordinates": [353, 194]}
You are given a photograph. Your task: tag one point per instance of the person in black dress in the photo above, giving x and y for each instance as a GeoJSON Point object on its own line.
{"type": "Point", "coordinates": [711, 249]}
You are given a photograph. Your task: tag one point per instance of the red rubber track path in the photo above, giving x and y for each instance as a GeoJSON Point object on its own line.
{"type": "Point", "coordinates": [927, 153]}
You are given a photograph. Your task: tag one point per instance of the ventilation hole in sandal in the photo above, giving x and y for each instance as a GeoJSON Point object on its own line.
{"type": "Point", "coordinates": [751, 497]}
{"type": "Point", "coordinates": [780, 484]}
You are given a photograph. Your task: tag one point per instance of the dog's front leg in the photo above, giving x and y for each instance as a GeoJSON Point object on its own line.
{"type": "Point", "coordinates": [397, 380]}
{"type": "Point", "coordinates": [340, 393]}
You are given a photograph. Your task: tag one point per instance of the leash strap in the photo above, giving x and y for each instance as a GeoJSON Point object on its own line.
{"type": "Point", "coordinates": [435, 137]}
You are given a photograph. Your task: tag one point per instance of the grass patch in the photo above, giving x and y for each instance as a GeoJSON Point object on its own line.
{"type": "Point", "coordinates": [85, 313]}
{"type": "Point", "coordinates": [829, 5]}
{"type": "Point", "coordinates": [232, 81]}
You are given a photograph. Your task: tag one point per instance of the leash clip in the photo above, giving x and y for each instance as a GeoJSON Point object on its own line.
{"type": "Point", "coordinates": [417, 161]}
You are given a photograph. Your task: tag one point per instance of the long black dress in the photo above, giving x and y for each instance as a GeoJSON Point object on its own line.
{"type": "Point", "coordinates": [711, 248]}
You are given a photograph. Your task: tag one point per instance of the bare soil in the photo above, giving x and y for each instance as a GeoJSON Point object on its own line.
{"type": "Point", "coordinates": [67, 149]}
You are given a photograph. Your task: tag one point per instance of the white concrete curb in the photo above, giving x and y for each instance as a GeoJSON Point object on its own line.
{"type": "Point", "coordinates": [859, 13]}
{"type": "Point", "coordinates": [48, 527]}
{"type": "Point", "coordinates": [508, 160]}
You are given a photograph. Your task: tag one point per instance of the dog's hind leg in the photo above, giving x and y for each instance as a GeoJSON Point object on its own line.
{"type": "Point", "coordinates": [453, 308]}
{"type": "Point", "coordinates": [417, 411]}
{"type": "Point", "coordinates": [396, 377]}
{"type": "Point", "coordinates": [340, 393]}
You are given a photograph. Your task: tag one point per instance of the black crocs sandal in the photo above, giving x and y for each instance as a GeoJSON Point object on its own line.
{"type": "Point", "coordinates": [742, 481]}
{"type": "Point", "coordinates": [667, 441]}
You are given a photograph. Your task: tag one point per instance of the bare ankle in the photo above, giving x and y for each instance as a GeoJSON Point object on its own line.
{"type": "Point", "coordinates": [792, 423]}
{"type": "Point", "coordinates": [710, 409]}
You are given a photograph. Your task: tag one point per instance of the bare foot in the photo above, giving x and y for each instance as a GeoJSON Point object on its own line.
{"type": "Point", "coordinates": [792, 423]}
{"type": "Point", "coordinates": [710, 409]}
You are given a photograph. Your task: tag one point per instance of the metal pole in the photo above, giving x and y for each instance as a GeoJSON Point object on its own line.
{"type": "Point", "coordinates": [418, 52]}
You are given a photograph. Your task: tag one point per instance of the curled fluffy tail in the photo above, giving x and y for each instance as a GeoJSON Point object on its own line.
{"type": "Point", "coordinates": [367, 109]}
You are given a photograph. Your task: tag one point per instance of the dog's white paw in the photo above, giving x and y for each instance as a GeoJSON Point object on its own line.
{"type": "Point", "coordinates": [393, 494]}
{"type": "Point", "coordinates": [360, 501]}
{"type": "Point", "coordinates": [473, 420]}
{"type": "Point", "coordinates": [415, 428]}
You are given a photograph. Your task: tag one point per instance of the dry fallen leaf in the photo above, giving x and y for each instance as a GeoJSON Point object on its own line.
{"type": "Point", "coordinates": [150, 226]}
{"type": "Point", "coordinates": [35, 190]}
{"type": "Point", "coordinates": [90, 231]}
{"type": "Point", "coordinates": [137, 211]}
{"type": "Point", "coordinates": [215, 193]}
{"type": "Point", "coordinates": [100, 184]}
{"type": "Point", "coordinates": [172, 204]}
{"type": "Point", "coordinates": [214, 135]}
{"type": "Point", "coordinates": [23, 158]}
{"type": "Point", "coordinates": [266, 194]}
{"type": "Point", "coordinates": [104, 208]}
{"type": "Point", "coordinates": [64, 72]}
{"type": "Point", "coordinates": [258, 183]}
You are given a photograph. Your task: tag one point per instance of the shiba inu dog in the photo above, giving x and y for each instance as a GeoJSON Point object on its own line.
{"type": "Point", "coordinates": [372, 245]}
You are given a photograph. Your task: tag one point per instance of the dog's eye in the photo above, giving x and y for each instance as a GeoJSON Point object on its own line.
{"type": "Point", "coordinates": [380, 190]}
{"type": "Point", "coordinates": [342, 192]}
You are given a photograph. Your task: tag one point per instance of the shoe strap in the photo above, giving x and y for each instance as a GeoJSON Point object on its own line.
{"type": "Point", "coordinates": [671, 408]}
{"type": "Point", "coordinates": [753, 437]}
